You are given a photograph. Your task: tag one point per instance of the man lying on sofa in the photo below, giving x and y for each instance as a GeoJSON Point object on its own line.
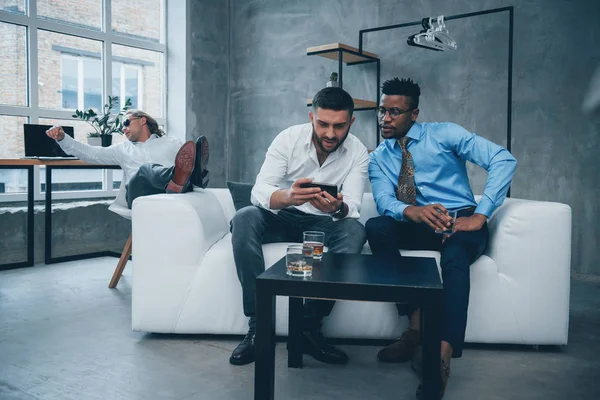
{"type": "Point", "coordinates": [152, 162]}
{"type": "Point", "coordinates": [324, 151]}
{"type": "Point", "coordinates": [419, 178]}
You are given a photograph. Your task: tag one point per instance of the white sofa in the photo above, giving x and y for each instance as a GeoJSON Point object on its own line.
{"type": "Point", "coordinates": [184, 277]}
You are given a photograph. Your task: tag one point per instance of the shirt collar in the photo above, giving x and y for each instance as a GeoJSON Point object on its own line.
{"type": "Point", "coordinates": [154, 136]}
{"type": "Point", "coordinates": [414, 133]}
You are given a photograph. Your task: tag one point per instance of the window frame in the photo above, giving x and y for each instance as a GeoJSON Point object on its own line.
{"type": "Point", "coordinates": [34, 112]}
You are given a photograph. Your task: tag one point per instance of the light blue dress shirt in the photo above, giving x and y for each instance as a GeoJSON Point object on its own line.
{"type": "Point", "coordinates": [440, 152]}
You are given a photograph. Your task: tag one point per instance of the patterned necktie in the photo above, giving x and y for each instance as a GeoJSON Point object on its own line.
{"type": "Point", "coordinates": [407, 192]}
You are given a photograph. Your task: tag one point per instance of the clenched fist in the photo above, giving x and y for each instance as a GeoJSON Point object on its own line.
{"type": "Point", "coordinates": [56, 133]}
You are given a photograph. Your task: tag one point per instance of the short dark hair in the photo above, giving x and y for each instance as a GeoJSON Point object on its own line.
{"type": "Point", "coordinates": [333, 98]}
{"type": "Point", "coordinates": [403, 87]}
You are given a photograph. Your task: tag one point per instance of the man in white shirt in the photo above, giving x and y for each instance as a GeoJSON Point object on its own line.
{"type": "Point", "coordinates": [324, 151]}
{"type": "Point", "coordinates": [152, 162]}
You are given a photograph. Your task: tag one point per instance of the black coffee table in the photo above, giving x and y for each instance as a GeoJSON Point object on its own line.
{"type": "Point", "coordinates": [347, 277]}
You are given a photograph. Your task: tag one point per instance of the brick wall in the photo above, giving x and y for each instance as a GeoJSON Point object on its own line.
{"type": "Point", "coordinates": [140, 18]}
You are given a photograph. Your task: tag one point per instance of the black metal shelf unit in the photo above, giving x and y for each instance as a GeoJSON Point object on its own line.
{"type": "Point", "coordinates": [348, 55]}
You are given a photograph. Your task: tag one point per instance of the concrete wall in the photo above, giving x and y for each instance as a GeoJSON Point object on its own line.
{"type": "Point", "coordinates": [555, 54]}
{"type": "Point", "coordinates": [209, 25]}
{"type": "Point", "coordinates": [77, 228]}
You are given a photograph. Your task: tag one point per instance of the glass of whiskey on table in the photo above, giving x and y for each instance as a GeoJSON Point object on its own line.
{"type": "Point", "coordinates": [299, 260]}
{"type": "Point", "coordinates": [316, 240]}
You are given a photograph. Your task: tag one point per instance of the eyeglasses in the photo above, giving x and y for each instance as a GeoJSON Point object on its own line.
{"type": "Point", "coordinates": [395, 112]}
{"type": "Point", "coordinates": [127, 122]}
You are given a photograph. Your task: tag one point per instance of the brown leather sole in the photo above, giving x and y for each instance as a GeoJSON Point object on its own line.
{"type": "Point", "coordinates": [184, 166]}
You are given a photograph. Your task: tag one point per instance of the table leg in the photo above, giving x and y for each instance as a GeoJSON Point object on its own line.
{"type": "Point", "coordinates": [430, 333]}
{"type": "Point", "coordinates": [264, 366]}
{"type": "Point", "coordinates": [30, 216]}
{"type": "Point", "coordinates": [48, 219]}
{"type": "Point", "coordinates": [295, 333]}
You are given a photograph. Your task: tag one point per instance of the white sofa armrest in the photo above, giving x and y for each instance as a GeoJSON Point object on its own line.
{"type": "Point", "coordinates": [171, 235]}
{"type": "Point", "coordinates": [176, 229]}
{"type": "Point", "coordinates": [530, 241]}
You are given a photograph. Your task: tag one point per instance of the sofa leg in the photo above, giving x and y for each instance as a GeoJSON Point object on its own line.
{"type": "Point", "coordinates": [121, 265]}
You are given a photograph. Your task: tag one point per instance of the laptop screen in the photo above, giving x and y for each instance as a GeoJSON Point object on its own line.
{"type": "Point", "coordinates": [38, 144]}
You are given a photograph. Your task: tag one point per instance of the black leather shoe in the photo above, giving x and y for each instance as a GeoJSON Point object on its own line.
{"type": "Point", "coordinates": [200, 175]}
{"type": "Point", "coordinates": [313, 344]}
{"type": "Point", "coordinates": [244, 353]}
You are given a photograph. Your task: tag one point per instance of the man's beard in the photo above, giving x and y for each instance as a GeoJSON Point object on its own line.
{"type": "Point", "coordinates": [319, 141]}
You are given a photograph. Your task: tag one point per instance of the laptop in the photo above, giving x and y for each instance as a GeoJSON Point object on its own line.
{"type": "Point", "coordinates": [40, 146]}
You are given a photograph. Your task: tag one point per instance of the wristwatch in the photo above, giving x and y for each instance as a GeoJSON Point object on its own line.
{"type": "Point", "coordinates": [338, 213]}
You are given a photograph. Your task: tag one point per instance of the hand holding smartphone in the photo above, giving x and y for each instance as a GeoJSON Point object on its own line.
{"type": "Point", "coordinates": [325, 187]}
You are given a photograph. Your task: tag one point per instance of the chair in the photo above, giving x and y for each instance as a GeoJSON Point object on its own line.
{"type": "Point", "coordinates": [119, 206]}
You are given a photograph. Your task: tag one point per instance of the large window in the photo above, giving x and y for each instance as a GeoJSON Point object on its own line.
{"type": "Point", "coordinates": [58, 56]}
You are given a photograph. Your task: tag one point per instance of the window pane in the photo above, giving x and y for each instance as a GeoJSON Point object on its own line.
{"type": "Point", "coordinates": [12, 143]}
{"type": "Point", "coordinates": [13, 181]}
{"type": "Point", "coordinates": [69, 80]}
{"type": "Point", "coordinates": [92, 83]}
{"type": "Point", "coordinates": [68, 180]}
{"type": "Point", "coordinates": [117, 178]}
{"type": "Point", "coordinates": [128, 20]}
{"type": "Point", "coordinates": [13, 6]}
{"type": "Point", "coordinates": [116, 79]}
{"type": "Point", "coordinates": [80, 77]}
{"type": "Point", "coordinates": [12, 146]}
{"type": "Point", "coordinates": [83, 13]}
{"type": "Point", "coordinates": [131, 86]}
{"type": "Point", "coordinates": [13, 74]}
{"type": "Point", "coordinates": [141, 79]}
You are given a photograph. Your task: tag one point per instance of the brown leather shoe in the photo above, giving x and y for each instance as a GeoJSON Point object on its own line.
{"type": "Point", "coordinates": [184, 166]}
{"type": "Point", "coordinates": [200, 176]}
{"type": "Point", "coordinates": [403, 349]}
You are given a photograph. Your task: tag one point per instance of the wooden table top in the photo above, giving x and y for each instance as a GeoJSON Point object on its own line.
{"type": "Point", "coordinates": [29, 161]}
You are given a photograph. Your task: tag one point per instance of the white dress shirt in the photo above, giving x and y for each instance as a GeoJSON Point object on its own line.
{"type": "Point", "coordinates": [130, 156]}
{"type": "Point", "coordinates": [292, 155]}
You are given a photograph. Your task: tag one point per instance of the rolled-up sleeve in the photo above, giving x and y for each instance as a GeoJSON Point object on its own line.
{"type": "Point", "coordinates": [271, 173]}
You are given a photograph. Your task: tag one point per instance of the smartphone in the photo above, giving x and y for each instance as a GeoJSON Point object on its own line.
{"type": "Point", "coordinates": [325, 187]}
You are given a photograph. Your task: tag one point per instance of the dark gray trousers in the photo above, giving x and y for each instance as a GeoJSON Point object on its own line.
{"type": "Point", "coordinates": [253, 226]}
{"type": "Point", "coordinates": [150, 179]}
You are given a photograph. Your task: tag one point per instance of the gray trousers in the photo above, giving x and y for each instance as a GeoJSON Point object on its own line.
{"type": "Point", "coordinates": [150, 179]}
{"type": "Point", "coordinates": [252, 227]}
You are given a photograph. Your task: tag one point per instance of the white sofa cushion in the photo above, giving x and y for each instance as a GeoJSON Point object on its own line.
{"type": "Point", "coordinates": [519, 287]}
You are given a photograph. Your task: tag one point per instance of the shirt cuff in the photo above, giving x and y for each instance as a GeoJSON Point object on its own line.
{"type": "Point", "coordinates": [66, 144]}
{"type": "Point", "coordinates": [400, 212]}
{"type": "Point", "coordinates": [352, 212]}
{"type": "Point", "coordinates": [485, 207]}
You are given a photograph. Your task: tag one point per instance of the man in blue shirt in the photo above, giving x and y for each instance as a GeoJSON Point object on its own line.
{"type": "Point", "coordinates": [419, 181]}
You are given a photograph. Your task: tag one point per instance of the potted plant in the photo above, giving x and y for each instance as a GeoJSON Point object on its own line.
{"type": "Point", "coordinates": [104, 124]}
{"type": "Point", "coordinates": [94, 139]}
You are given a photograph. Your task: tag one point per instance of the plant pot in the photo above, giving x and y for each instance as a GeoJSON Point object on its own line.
{"type": "Point", "coordinates": [106, 140]}
{"type": "Point", "coordinates": [94, 141]}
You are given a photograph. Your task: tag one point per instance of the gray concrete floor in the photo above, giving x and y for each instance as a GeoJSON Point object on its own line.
{"type": "Point", "coordinates": [64, 335]}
